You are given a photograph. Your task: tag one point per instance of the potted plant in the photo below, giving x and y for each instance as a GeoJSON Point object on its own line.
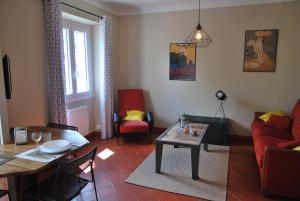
{"type": "Point", "coordinates": [184, 120]}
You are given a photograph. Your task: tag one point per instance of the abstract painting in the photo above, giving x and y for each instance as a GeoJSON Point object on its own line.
{"type": "Point", "coordinates": [182, 61]}
{"type": "Point", "coordinates": [260, 50]}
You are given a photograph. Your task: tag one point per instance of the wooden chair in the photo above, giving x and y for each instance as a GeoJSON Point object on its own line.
{"type": "Point", "coordinates": [62, 126]}
{"type": "Point", "coordinates": [3, 193]}
{"type": "Point", "coordinates": [132, 99]}
{"type": "Point", "coordinates": [66, 184]}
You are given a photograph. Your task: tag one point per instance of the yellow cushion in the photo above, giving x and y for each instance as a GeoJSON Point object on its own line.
{"type": "Point", "coordinates": [265, 117]}
{"type": "Point", "coordinates": [134, 115]}
{"type": "Point", "coordinates": [297, 148]}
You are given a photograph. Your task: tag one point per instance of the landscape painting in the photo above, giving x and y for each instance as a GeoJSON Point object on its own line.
{"type": "Point", "coordinates": [260, 50]}
{"type": "Point", "coordinates": [182, 61]}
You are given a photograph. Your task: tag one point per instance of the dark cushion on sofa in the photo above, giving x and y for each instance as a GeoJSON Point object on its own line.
{"type": "Point", "coordinates": [261, 128]}
{"type": "Point", "coordinates": [282, 123]}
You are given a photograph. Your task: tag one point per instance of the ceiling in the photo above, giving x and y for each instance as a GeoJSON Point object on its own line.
{"type": "Point", "coordinates": [131, 7]}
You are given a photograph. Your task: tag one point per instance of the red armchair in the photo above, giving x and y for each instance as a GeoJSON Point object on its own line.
{"type": "Point", "coordinates": [132, 99]}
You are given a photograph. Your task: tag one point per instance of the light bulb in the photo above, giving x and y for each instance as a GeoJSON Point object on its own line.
{"type": "Point", "coordinates": [198, 35]}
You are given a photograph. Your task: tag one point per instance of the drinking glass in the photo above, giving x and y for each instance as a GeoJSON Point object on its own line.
{"type": "Point", "coordinates": [47, 136]}
{"type": "Point", "coordinates": [36, 136]}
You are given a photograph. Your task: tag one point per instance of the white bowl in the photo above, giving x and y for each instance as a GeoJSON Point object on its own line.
{"type": "Point", "coordinates": [55, 146]}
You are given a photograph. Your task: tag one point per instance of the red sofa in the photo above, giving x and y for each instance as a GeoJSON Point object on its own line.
{"type": "Point", "coordinates": [279, 164]}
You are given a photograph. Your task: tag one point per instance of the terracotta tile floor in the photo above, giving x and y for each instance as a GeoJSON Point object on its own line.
{"type": "Point", "coordinates": [243, 178]}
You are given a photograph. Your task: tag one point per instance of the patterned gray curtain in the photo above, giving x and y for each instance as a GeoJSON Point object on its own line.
{"type": "Point", "coordinates": [105, 82]}
{"type": "Point", "coordinates": [56, 79]}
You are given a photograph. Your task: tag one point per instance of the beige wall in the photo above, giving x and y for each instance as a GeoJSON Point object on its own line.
{"type": "Point", "coordinates": [144, 62]}
{"type": "Point", "coordinates": [4, 129]}
{"type": "Point", "coordinates": [23, 39]}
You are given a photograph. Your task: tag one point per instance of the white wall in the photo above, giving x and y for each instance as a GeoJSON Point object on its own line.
{"type": "Point", "coordinates": [144, 62]}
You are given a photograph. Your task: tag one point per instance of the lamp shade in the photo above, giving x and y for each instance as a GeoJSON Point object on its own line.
{"type": "Point", "coordinates": [199, 37]}
{"type": "Point", "coordinates": [221, 95]}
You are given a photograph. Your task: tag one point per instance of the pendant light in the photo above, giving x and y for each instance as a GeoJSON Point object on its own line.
{"type": "Point", "coordinates": [198, 35]}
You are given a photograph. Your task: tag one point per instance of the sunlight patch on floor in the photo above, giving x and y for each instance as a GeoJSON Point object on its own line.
{"type": "Point", "coordinates": [105, 154]}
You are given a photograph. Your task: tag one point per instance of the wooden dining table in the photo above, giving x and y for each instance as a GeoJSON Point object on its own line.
{"type": "Point", "coordinates": [16, 168]}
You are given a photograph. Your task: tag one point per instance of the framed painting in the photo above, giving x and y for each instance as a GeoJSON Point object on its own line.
{"type": "Point", "coordinates": [260, 50]}
{"type": "Point", "coordinates": [182, 61]}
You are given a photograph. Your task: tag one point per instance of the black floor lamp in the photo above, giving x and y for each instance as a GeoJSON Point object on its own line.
{"type": "Point", "coordinates": [221, 97]}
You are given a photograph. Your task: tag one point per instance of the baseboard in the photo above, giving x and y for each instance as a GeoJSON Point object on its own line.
{"type": "Point", "coordinates": [93, 134]}
{"type": "Point", "coordinates": [241, 138]}
{"type": "Point", "coordinates": [158, 130]}
{"type": "Point", "coordinates": [155, 131]}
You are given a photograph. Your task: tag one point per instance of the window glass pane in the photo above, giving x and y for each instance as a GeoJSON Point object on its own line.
{"type": "Point", "coordinates": [68, 71]}
{"type": "Point", "coordinates": [81, 61]}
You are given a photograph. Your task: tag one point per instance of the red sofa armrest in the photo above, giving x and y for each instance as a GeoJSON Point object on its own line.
{"type": "Point", "coordinates": [257, 115]}
{"type": "Point", "coordinates": [281, 172]}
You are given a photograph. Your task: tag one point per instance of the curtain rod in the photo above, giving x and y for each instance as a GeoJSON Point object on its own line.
{"type": "Point", "coordinates": [82, 10]}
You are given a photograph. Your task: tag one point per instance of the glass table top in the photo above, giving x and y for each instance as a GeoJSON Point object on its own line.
{"type": "Point", "coordinates": [175, 134]}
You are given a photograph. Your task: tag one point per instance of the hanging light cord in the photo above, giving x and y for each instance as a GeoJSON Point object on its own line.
{"type": "Point", "coordinates": [198, 35]}
{"type": "Point", "coordinates": [199, 13]}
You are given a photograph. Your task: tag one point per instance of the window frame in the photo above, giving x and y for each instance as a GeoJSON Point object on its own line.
{"type": "Point", "coordinates": [73, 26]}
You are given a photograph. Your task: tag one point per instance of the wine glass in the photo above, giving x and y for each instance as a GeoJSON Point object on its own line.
{"type": "Point", "coordinates": [47, 136]}
{"type": "Point", "coordinates": [36, 136]}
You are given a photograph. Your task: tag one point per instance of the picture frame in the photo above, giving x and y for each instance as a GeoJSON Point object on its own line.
{"type": "Point", "coordinates": [260, 50]}
{"type": "Point", "coordinates": [182, 61]}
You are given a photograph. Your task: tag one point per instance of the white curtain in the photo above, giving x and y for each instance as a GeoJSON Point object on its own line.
{"type": "Point", "coordinates": [56, 73]}
{"type": "Point", "coordinates": [104, 77]}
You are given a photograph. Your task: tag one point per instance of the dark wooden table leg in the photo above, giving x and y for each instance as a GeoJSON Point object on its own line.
{"type": "Point", "coordinates": [158, 156]}
{"type": "Point", "coordinates": [13, 188]}
{"type": "Point", "coordinates": [205, 144]}
{"type": "Point", "coordinates": [17, 183]}
{"type": "Point", "coordinates": [195, 153]}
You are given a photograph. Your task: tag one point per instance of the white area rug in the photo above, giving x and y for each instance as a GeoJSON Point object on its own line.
{"type": "Point", "coordinates": [176, 173]}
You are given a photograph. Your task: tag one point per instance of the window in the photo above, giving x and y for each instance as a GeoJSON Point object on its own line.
{"type": "Point", "coordinates": [78, 65]}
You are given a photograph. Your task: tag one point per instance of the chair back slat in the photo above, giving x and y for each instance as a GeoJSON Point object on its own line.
{"type": "Point", "coordinates": [71, 170]}
{"type": "Point", "coordinates": [62, 126]}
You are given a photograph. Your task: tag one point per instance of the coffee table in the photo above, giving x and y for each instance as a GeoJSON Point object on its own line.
{"type": "Point", "coordinates": [218, 130]}
{"type": "Point", "coordinates": [174, 135]}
